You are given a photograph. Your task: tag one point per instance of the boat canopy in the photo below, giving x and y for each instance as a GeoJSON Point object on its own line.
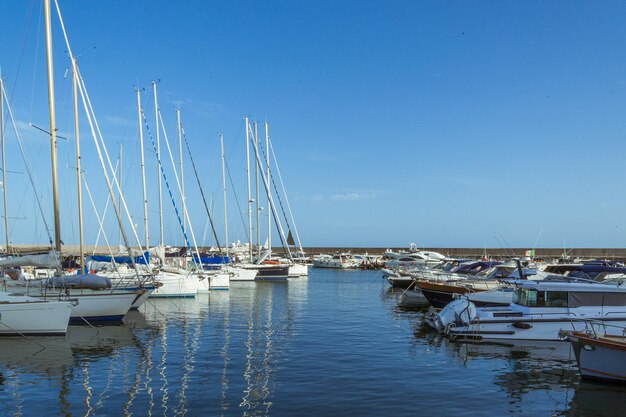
{"type": "Point", "coordinates": [44, 260]}
{"type": "Point", "coordinates": [211, 260]}
{"type": "Point", "coordinates": [139, 260]}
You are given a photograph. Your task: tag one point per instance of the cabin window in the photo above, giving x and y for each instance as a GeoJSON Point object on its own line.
{"type": "Point", "coordinates": [534, 298]}
{"type": "Point", "coordinates": [555, 299]}
{"type": "Point", "coordinates": [615, 299]}
{"type": "Point", "coordinates": [581, 299]}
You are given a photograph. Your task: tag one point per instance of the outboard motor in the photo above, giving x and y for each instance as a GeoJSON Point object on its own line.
{"type": "Point", "coordinates": [458, 312]}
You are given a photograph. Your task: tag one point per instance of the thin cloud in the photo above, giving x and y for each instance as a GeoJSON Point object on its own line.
{"type": "Point", "coordinates": [353, 196]}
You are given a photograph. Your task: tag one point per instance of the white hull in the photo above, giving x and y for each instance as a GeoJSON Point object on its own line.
{"type": "Point", "coordinates": [176, 285]}
{"type": "Point", "coordinates": [31, 316]}
{"type": "Point", "coordinates": [241, 274]}
{"type": "Point", "coordinates": [298, 270]}
{"type": "Point", "coordinates": [321, 263]}
{"type": "Point", "coordinates": [101, 306]}
{"type": "Point", "coordinates": [218, 280]}
{"type": "Point", "coordinates": [93, 305]}
{"type": "Point", "coordinates": [538, 330]}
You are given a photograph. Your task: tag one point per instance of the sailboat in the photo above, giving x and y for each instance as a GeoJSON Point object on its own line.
{"type": "Point", "coordinates": [96, 300]}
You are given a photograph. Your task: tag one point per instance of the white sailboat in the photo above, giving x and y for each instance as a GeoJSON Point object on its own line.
{"type": "Point", "coordinates": [22, 315]}
{"type": "Point", "coordinates": [93, 304]}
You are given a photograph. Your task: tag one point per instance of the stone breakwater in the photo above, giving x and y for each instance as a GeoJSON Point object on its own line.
{"type": "Point", "coordinates": [547, 253]}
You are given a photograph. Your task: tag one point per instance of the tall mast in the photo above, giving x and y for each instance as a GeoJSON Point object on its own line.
{"type": "Point", "coordinates": [256, 194]}
{"type": "Point", "coordinates": [143, 171]}
{"type": "Point", "coordinates": [267, 166]}
{"type": "Point", "coordinates": [79, 183]}
{"type": "Point", "coordinates": [158, 145]}
{"type": "Point", "coordinates": [4, 167]}
{"type": "Point", "coordinates": [224, 189]}
{"type": "Point", "coordinates": [180, 163]}
{"type": "Point", "coordinates": [249, 196]}
{"type": "Point", "coordinates": [119, 197]}
{"type": "Point", "coordinates": [53, 129]}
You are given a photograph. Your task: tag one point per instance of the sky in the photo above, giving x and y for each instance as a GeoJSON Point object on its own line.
{"type": "Point", "coordinates": [447, 124]}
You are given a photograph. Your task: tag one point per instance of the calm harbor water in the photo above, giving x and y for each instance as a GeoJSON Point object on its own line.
{"type": "Point", "coordinates": [335, 343]}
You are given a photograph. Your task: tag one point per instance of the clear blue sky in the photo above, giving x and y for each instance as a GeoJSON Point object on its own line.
{"type": "Point", "coordinates": [440, 123]}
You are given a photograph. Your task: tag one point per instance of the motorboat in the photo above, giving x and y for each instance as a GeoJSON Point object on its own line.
{"type": "Point", "coordinates": [440, 293]}
{"type": "Point", "coordinates": [540, 309]}
{"type": "Point", "coordinates": [600, 356]}
{"type": "Point", "coordinates": [336, 261]}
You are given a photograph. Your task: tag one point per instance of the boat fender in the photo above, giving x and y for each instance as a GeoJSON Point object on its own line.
{"type": "Point", "coordinates": [524, 326]}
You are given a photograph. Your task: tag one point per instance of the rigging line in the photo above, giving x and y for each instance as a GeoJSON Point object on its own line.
{"type": "Point", "coordinates": [195, 171]}
{"type": "Point", "coordinates": [236, 199]}
{"type": "Point", "coordinates": [167, 184]}
{"type": "Point", "coordinates": [280, 177]}
{"type": "Point", "coordinates": [97, 139]}
{"type": "Point", "coordinates": [104, 214]}
{"type": "Point", "coordinates": [19, 61]}
{"type": "Point", "coordinates": [180, 189]}
{"type": "Point", "coordinates": [28, 170]}
{"type": "Point", "coordinates": [280, 202]}
{"type": "Point", "coordinates": [271, 203]}
{"type": "Point", "coordinates": [32, 92]}
{"type": "Point", "coordinates": [101, 225]}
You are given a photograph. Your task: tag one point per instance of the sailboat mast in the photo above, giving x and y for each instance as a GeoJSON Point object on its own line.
{"type": "Point", "coordinates": [158, 146]}
{"type": "Point", "coordinates": [143, 171]}
{"type": "Point", "coordinates": [249, 196]}
{"type": "Point", "coordinates": [79, 183]}
{"type": "Point", "coordinates": [224, 189]}
{"type": "Point", "coordinates": [4, 180]}
{"type": "Point", "coordinates": [180, 163]}
{"type": "Point", "coordinates": [53, 129]}
{"type": "Point", "coordinates": [267, 166]}
{"type": "Point", "coordinates": [119, 196]}
{"type": "Point", "coordinates": [256, 200]}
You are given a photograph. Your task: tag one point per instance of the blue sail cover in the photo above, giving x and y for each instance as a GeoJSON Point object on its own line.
{"type": "Point", "coordinates": [139, 260]}
{"type": "Point", "coordinates": [213, 260]}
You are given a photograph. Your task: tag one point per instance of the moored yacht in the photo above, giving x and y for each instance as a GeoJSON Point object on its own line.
{"type": "Point", "coordinates": [600, 356]}
{"type": "Point", "coordinates": [337, 261]}
{"type": "Point", "coordinates": [538, 312]}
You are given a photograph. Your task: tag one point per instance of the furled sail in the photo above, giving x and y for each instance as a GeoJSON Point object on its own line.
{"type": "Point", "coordinates": [45, 260]}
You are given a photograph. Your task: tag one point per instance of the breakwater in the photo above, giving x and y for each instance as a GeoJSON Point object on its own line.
{"type": "Point", "coordinates": [547, 253]}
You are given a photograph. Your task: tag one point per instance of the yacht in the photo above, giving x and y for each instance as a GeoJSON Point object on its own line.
{"type": "Point", "coordinates": [337, 261]}
{"type": "Point", "coordinates": [540, 309]}
{"type": "Point", "coordinates": [440, 293]}
{"type": "Point", "coordinates": [600, 356]}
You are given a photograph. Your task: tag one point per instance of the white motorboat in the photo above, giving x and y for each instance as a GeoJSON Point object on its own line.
{"type": "Point", "coordinates": [538, 312]}
{"type": "Point", "coordinates": [337, 261]}
{"type": "Point", "coordinates": [22, 315]}
{"type": "Point", "coordinates": [412, 259]}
